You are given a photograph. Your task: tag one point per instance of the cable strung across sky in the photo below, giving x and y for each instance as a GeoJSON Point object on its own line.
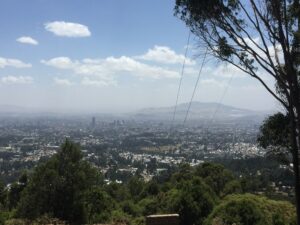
{"type": "Point", "coordinates": [195, 87]}
{"type": "Point", "coordinates": [181, 76]}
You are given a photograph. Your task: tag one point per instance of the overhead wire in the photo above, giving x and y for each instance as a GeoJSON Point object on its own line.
{"type": "Point", "coordinates": [218, 106]}
{"type": "Point", "coordinates": [220, 100]}
{"type": "Point", "coordinates": [195, 87]}
{"type": "Point", "coordinates": [181, 77]}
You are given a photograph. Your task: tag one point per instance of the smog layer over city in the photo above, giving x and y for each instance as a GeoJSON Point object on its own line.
{"type": "Point", "coordinates": [174, 112]}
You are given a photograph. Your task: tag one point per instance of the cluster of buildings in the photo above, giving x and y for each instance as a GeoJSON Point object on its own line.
{"type": "Point", "coordinates": [118, 146]}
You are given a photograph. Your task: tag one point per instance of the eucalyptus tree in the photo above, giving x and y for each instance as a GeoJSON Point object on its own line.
{"type": "Point", "coordinates": [260, 38]}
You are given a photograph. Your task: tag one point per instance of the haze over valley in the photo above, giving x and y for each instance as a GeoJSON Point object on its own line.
{"type": "Point", "coordinates": [154, 112]}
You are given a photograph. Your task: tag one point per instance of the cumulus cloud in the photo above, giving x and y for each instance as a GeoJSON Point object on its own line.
{"type": "Point", "coordinates": [164, 54]}
{"type": "Point", "coordinates": [104, 71]}
{"type": "Point", "coordinates": [223, 71]}
{"type": "Point", "coordinates": [27, 40]}
{"type": "Point", "coordinates": [17, 80]}
{"type": "Point", "coordinates": [4, 62]}
{"type": "Point", "coordinates": [127, 64]}
{"type": "Point", "coordinates": [226, 71]}
{"type": "Point", "coordinates": [60, 63]}
{"type": "Point", "coordinates": [93, 82]}
{"type": "Point", "coordinates": [67, 29]}
{"type": "Point", "coordinates": [62, 82]}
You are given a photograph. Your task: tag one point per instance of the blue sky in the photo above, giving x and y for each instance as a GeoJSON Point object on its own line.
{"type": "Point", "coordinates": [107, 56]}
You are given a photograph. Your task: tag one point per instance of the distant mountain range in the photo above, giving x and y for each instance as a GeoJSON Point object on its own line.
{"type": "Point", "coordinates": [200, 111]}
{"type": "Point", "coordinates": [13, 111]}
{"type": "Point", "coordinates": [7, 109]}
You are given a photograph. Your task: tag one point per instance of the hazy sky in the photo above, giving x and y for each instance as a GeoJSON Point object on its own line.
{"type": "Point", "coordinates": [107, 55]}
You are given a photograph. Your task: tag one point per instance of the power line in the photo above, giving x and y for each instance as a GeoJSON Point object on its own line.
{"type": "Point", "coordinates": [195, 87]}
{"type": "Point", "coordinates": [180, 82]}
{"type": "Point", "coordinates": [218, 106]}
{"type": "Point", "coordinates": [220, 101]}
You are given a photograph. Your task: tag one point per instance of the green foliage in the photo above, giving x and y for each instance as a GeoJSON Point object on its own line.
{"type": "Point", "coordinates": [229, 30]}
{"type": "Point", "coordinates": [215, 175]}
{"type": "Point", "coordinates": [17, 222]}
{"type": "Point", "coordinates": [14, 195]}
{"type": "Point", "coordinates": [138, 221]}
{"type": "Point", "coordinates": [232, 187]}
{"type": "Point", "coordinates": [135, 187]}
{"type": "Point", "coordinates": [275, 131]}
{"type": "Point", "coordinates": [118, 216]}
{"type": "Point", "coordinates": [199, 11]}
{"type": "Point", "coordinates": [224, 49]}
{"type": "Point", "coordinates": [275, 136]}
{"type": "Point", "coordinates": [193, 200]}
{"type": "Point", "coordinates": [131, 208]}
{"type": "Point", "coordinates": [149, 206]}
{"type": "Point", "coordinates": [3, 194]}
{"type": "Point", "coordinates": [58, 187]}
{"type": "Point", "coordinates": [70, 189]}
{"type": "Point", "coordinates": [167, 200]}
{"type": "Point", "coordinates": [206, 20]}
{"type": "Point", "coordinates": [4, 216]}
{"type": "Point", "coordinates": [252, 210]}
{"type": "Point", "coordinates": [98, 205]}
{"type": "Point", "coordinates": [152, 188]}
{"type": "Point", "coordinates": [119, 192]}
{"type": "Point", "coordinates": [222, 26]}
{"type": "Point", "coordinates": [39, 221]}
{"type": "Point", "coordinates": [185, 172]}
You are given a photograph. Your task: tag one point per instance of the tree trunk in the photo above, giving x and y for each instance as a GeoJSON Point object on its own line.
{"type": "Point", "coordinates": [295, 140]}
{"type": "Point", "coordinates": [294, 103]}
{"type": "Point", "coordinates": [297, 185]}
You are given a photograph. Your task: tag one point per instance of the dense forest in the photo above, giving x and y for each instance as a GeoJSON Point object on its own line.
{"type": "Point", "coordinates": [69, 189]}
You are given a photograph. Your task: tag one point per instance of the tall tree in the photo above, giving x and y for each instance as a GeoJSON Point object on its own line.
{"type": "Point", "coordinates": [259, 37]}
{"type": "Point", "coordinates": [194, 200]}
{"type": "Point", "coordinates": [274, 136]}
{"type": "Point", "coordinates": [58, 187]}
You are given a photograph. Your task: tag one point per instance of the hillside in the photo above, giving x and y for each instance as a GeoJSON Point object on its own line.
{"type": "Point", "coordinates": [200, 111]}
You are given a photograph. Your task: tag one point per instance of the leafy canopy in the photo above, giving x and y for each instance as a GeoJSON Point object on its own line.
{"type": "Point", "coordinates": [58, 187]}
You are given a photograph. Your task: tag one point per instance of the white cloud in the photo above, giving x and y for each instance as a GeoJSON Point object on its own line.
{"type": "Point", "coordinates": [273, 51]}
{"type": "Point", "coordinates": [27, 40]}
{"type": "Point", "coordinates": [224, 71]}
{"type": "Point", "coordinates": [62, 82]}
{"type": "Point", "coordinates": [212, 82]}
{"type": "Point", "coordinates": [93, 82]}
{"type": "Point", "coordinates": [4, 62]}
{"type": "Point", "coordinates": [67, 29]}
{"type": "Point", "coordinates": [193, 71]}
{"type": "Point", "coordinates": [163, 54]}
{"type": "Point", "coordinates": [17, 80]}
{"type": "Point", "coordinates": [104, 71]}
{"type": "Point", "coordinates": [60, 62]}
{"type": "Point", "coordinates": [127, 64]}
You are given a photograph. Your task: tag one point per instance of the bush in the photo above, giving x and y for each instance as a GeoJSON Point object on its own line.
{"type": "Point", "coordinates": [250, 209]}
{"type": "Point", "coordinates": [4, 216]}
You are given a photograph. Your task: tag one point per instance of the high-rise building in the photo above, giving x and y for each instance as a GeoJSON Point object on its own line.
{"type": "Point", "coordinates": [93, 122]}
